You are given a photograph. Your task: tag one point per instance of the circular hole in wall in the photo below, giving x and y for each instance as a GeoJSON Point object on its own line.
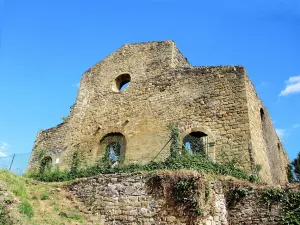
{"type": "Point", "coordinates": [121, 82]}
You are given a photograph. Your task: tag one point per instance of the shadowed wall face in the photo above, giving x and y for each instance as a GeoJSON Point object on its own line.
{"type": "Point", "coordinates": [267, 149]}
{"type": "Point", "coordinates": [163, 89]}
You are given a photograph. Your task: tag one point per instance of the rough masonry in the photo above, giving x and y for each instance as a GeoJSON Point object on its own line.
{"type": "Point", "coordinates": [217, 104]}
{"type": "Point", "coordinates": [128, 199]}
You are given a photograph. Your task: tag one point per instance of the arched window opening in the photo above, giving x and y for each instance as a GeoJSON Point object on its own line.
{"type": "Point", "coordinates": [278, 146]}
{"type": "Point", "coordinates": [121, 83]}
{"type": "Point", "coordinates": [114, 145]}
{"type": "Point", "coordinates": [196, 142]}
{"type": "Point", "coordinates": [114, 151]}
{"type": "Point", "coordinates": [46, 164]}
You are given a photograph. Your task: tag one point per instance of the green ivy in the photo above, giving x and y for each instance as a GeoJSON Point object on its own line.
{"type": "Point", "coordinates": [289, 201]}
{"type": "Point", "coordinates": [196, 162]}
{"type": "Point", "coordinates": [235, 195]}
{"type": "Point", "coordinates": [40, 152]}
{"type": "Point", "coordinates": [177, 160]}
{"type": "Point", "coordinates": [185, 193]}
{"type": "Point", "coordinates": [207, 192]}
{"type": "Point", "coordinates": [75, 164]}
{"type": "Point", "coordinates": [176, 141]}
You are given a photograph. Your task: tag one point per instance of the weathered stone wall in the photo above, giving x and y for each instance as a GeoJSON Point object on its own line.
{"type": "Point", "coordinates": [267, 149]}
{"type": "Point", "coordinates": [129, 199]}
{"type": "Point", "coordinates": [164, 90]}
{"type": "Point", "coordinates": [51, 142]}
{"type": "Point", "coordinates": [252, 208]}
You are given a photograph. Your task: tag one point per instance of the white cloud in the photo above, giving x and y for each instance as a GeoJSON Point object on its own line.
{"type": "Point", "coordinates": [292, 86]}
{"type": "Point", "coordinates": [76, 85]}
{"type": "Point", "coordinates": [296, 125]}
{"type": "Point", "coordinates": [281, 133]}
{"type": "Point", "coordinates": [3, 148]}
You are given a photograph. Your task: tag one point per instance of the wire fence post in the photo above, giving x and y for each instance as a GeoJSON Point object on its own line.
{"type": "Point", "coordinates": [12, 162]}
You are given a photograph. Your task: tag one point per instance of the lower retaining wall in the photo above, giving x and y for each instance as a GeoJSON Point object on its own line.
{"type": "Point", "coordinates": [149, 199]}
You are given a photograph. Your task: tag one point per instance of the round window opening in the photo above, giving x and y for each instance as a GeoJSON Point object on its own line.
{"type": "Point", "coordinates": [121, 83]}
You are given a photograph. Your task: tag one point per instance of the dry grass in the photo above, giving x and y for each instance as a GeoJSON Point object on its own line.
{"type": "Point", "coordinates": [50, 203]}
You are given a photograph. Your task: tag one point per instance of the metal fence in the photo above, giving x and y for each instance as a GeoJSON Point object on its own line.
{"type": "Point", "coordinates": [16, 163]}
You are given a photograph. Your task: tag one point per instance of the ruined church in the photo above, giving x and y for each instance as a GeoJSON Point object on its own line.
{"type": "Point", "coordinates": [126, 102]}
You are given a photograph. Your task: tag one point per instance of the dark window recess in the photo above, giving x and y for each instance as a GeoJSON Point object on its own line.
{"type": "Point", "coordinates": [121, 83]}
{"type": "Point", "coordinates": [262, 115]}
{"type": "Point", "coordinates": [46, 164]}
{"type": "Point", "coordinates": [114, 145]}
{"type": "Point", "coordinates": [196, 142]}
{"type": "Point", "coordinates": [114, 151]}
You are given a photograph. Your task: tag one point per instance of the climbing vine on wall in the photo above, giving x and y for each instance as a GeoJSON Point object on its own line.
{"type": "Point", "coordinates": [235, 195]}
{"type": "Point", "coordinates": [75, 163]}
{"type": "Point", "coordinates": [289, 201]}
{"type": "Point", "coordinates": [178, 159]}
{"type": "Point", "coordinates": [186, 194]}
{"type": "Point", "coordinates": [175, 140]}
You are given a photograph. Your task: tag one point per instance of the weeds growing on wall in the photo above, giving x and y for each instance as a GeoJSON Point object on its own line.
{"type": "Point", "coordinates": [289, 201]}
{"type": "Point", "coordinates": [235, 195]}
{"type": "Point", "coordinates": [178, 159]}
{"type": "Point", "coordinates": [185, 193]}
{"type": "Point", "coordinates": [176, 141]}
{"type": "Point", "coordinates": [198, 162]}
{"type": "Point", "coordinates": [75, 164]}
{"type": "Point", "coordinates": [207, 191]}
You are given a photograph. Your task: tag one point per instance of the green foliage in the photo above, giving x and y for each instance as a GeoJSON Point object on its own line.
{"type": "Point", "coordinates": [185, 193]}
{"type": "Point", "coordinates": [296, 164]}
{"type": "Point", "coordinates": [272, 196]}
{"type": "Point", "coordinates": [255, 178]}
{"type": "Point", "coordinates": [17, 185]}
{"type": "Point", "coordinates": [236, 194]}
{"type": "Point", "coordinates": [180, 161]}
{"type": "Point", "coordinates": [40, 152]}
{"type": "Point", "coordinates": [290, 175]}
{"type": "Point", "coordinates": [54, 205]}
{"type": "Point", "coordinates": [26, 209]}
{"type": "Point", "coordinates": [207, 192]}
{"type": "Point", "coordinates": [289, 201]}
{"type": "Point", "coordinates": [177, 160]}
{"type": "Point", "coordinates": [46, 164]}
{"type": "Point", "coordinates": [75, 164]}
{"type": "Point", "coordinates": [176, 141]}
{"type": "Point", "coordinates": [45, 196]}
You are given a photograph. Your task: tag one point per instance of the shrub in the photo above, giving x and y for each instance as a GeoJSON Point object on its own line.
{"type": "Point", "coordinates": [45, 196]}
{"type": "Point", "coordinates": [198, 162]}
{"type": "Point", "coordinates": [26, 209]}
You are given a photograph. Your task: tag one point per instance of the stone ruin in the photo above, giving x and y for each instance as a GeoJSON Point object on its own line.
{"type": "Point", "coordinates": [126, 102]}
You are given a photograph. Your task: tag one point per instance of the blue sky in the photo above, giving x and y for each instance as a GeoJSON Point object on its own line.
{"type": "Point", "coordinates": [47, 45]}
